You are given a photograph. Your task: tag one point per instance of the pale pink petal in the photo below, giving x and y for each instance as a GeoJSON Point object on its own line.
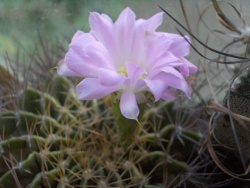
{"type": "Point", "coordinates": [184, 70]}
{"type": "Point", "coordinates": [79, 42]}
{"type": "Point", "coordinates": [81, 36]}
{"type": "Point", "coordinates": [137, 49]}
{"type": "Point", "coordinates": [87, 63]}
{"type": "Point", "coordinates": [191, 67]}
{"type": "Point", "coordinates": [156, 48]}
{"type": "Point", "coordinates": [77, 35]}
{"type": "Point", "coordinates": [168, 59]}
{"type": "Point", "coordinates": [135, 86]}
{"type": "Point", "coordinates": [181, 84]}
{"type": "Point", "coordinates": [140, 86]}
{"type": "Point", "coordinates": [171, 36]}
{"type": "Point", "coordinates": [171, 71]}
{"type": "Point", "coordinates": [62, 69]}
{"type": "Point", "coordinates": [80, 65]}
{"type": "Point", "coordinates": [103, 29]}
{"type": "Point", "coordinates": [128, 105]}
{"type": "Point", "coordinates": [124, 19]}
{"type": "Point", "coordinates": [142, 46]}
{"type": "Point", "coordinates": [134, 72]}
{"type": "Point", "coordinates": [109, 77]}
{"type": "Point", "coordinates": [124, 28]}
{"type": "Point", "coordinates": [155, 21]}
{"type": "Point", "coordinates": [173, 78]}
{"type": "Point", "coordinates": [180, 47]}
{"type": "Point", "coordinates": [90, 89]}
{"type": "Point", "coordinates": [98, 55]}
{"type": "Point", "coordinates": [157, 87]}
{"type": "Point", "coordinates": [81, 39]}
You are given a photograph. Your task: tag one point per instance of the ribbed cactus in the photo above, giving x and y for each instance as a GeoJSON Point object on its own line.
{"type": "Point", "coordinates": [231, 132]}
{"type": "Point", "coordinates": [237, 100]}
{"type": "Point", "coordinates": [54, 140]}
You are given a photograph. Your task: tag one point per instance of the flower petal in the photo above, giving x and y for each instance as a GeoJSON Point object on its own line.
{"type": "Point", "coordinates": [62, 69]}
{"type": "Point", "coordinates": [128, 105]}
{"type": "Point", "coordinates": [124, 28]}
{"type": "Point", "coordinates": [109, 77]}
{"type": "Point", "coordinates": [103, 29]}
{"type": "Point", "coordinates": [98, 54]}
{"type": "Point", "coordinates": [80, 40]}
{"type": "Point", "coordinates": [155, 21]}
{"type": "Point", "coordinates": [134, 72]}
{"type": "Point", "coordinates": [180, 47]}
{"type": "Point", "coordinates": [80, 65]}
{"type": "Point", "coordinates": [87, 62]}
{"type": "Point", "coordinates": [168, 59]}
{"type": "Point", "coordinates": [173, 78]}
{"type": "Point", "coordinates": [90, 89]}
{"type": "Point", "coordinates": [157, 87]}
{"type": "Point", "coordinates": [171, 71]}
{"type": "Point", "coordinates": [187, 67]}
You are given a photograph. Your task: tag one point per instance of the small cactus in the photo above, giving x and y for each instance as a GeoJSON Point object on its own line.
{"type": "Point", "coordinates": [238, 99]}
{"type": "Point", "coordinates": [231, 132]}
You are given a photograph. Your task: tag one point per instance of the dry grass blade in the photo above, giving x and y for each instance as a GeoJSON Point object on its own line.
{"type": "Point", "coordinates": [219, 108]}
{"type": "Point", "coordinates": [185, 15]}
{"type": "Point", "coordinates": [200, 18]}
{"type": "Point", "coordinates": [223, 19]}
{"type": "Point", "coordinates": [239, 14]}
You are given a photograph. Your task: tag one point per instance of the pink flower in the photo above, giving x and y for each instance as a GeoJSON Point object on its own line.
{"type": "Point", "coordinates": [127, 57]}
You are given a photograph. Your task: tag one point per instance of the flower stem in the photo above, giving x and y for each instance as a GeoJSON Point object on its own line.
{"type": "Point", "coordinates": [128, 129]}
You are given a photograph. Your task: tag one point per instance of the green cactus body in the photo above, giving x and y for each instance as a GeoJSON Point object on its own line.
{"type": "Point", "coordinates": [54, 140]}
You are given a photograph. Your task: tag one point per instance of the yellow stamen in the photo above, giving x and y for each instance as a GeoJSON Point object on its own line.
{"type": "Point", "coordinates": [122, 70]}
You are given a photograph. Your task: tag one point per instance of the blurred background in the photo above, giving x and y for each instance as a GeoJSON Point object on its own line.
{"type": "Point", "coordinates": [22, 22]}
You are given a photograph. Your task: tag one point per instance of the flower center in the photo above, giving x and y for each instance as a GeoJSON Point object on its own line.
{"type": "Point", "coordinates": [122, 71]}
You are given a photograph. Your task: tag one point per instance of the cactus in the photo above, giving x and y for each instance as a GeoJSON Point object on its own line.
{"type": "Point", "coordinates": [231, 132]}
{"type": "Point", "coordinates": [53, 140]}
{"type": "Point", "coordinates": [237, 100]}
